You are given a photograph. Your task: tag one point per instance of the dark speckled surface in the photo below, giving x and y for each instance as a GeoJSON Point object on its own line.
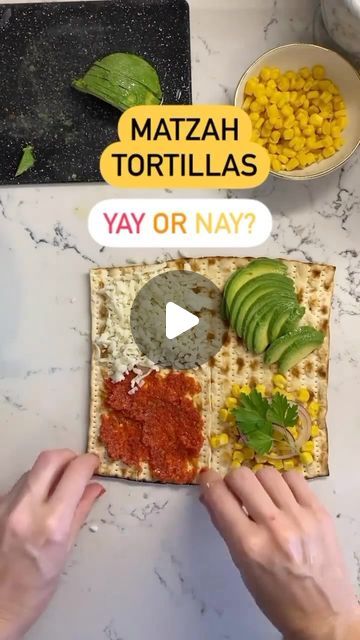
{"type": "Point", "coordinates": [44, 46]}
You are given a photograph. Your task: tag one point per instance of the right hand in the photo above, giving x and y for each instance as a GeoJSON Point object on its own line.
{"type": "Point", "coordinates": [284, 544]}
{"type": "Point", "coordinates": [39, 520]}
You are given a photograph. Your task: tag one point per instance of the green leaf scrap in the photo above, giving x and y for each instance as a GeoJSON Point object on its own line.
{"type": "Point", "coordinates": [27, 161]}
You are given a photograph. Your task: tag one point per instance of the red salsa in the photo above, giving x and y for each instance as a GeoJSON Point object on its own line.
{"type": "Point", "coordinates": [158, 424]}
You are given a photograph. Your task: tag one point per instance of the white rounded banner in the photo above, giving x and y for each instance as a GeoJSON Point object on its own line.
{"type": "Point", "coordinates": [180, 223]}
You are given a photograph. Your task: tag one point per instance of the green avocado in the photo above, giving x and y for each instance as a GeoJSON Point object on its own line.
{"type": "Point", "coordinates": [254, 288]}
{"type": "Point", "coordinates": [270, 302]}
{"type": "Point", "coordinates": [299, 350]}
{"type": "Point", "coordinates": [258, 307]}
{"type": "Point", "coordinates": [260, 337]}
{"type": "Point", "coordinates": [255, 268]}
{"type": "Point", "coordinates": [285, 321]}
{"type": "Point", "coordinates": [286, 342]}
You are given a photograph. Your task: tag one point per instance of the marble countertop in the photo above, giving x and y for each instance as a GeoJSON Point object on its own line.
{"type": "Point", "coordinates": [152, 565]}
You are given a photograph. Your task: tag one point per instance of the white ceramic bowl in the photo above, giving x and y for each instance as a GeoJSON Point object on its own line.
{"type": "Point", "coordinates": [340, 71]}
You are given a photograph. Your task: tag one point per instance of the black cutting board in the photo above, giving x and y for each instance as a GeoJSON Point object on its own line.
{"type": "Point", "coordinates": [44, 46]}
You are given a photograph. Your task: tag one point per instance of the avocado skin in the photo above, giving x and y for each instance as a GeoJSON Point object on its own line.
{"type": "Point", "coordinates": [300, 349]}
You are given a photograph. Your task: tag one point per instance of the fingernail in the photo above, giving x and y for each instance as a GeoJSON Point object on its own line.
{"type": "Point", "coordinates": [101, 492]}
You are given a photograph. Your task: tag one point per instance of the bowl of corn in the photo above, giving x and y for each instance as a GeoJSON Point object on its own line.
{"type": "Point", "coordinates": [303, 101]}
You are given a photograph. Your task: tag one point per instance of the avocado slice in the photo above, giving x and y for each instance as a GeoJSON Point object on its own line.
{"type": "Point", "coordinates": [299, 350]}
{"type": "Point", "coordinates": [281, 346]}
{"type": "Point", "coordinates": [255, 268]}
{"type": "Point", "coordinates": [260, 337]}
{"type": "Point", "coordinates": [285, 321]}
{"type": "Point", "coordinates": [257, 307]}
{"type": "Point", "coordinates": [249, 292]}
{"type": "Point", "coordinates": [273, 302]}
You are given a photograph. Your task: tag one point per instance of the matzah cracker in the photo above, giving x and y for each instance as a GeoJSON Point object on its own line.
{"type": "Point", "coordinates": [314, 284]}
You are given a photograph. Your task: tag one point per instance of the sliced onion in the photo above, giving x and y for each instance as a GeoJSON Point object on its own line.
{"type": "Point", "coordinates": [304, 436]}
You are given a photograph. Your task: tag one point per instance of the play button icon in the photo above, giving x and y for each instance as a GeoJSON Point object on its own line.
{"type": "Point", "coordinates": [176, 320]}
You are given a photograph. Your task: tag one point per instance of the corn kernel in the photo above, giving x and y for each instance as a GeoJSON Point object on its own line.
{"type": "Point", "coordinates": [275, 73]}
{"type": "Point", "coordinates": [308, 131]}
{"type": "Point", "coordinates": [275, 136]}
{"type": "Point", "coordinates": [263, 99]}
{"type": "Point", "coordinates": [290, 153]}
{"type": "Point", "coordinates": [271, 84]}
{"type": "Point", "coordinates": [239, 445]}
{"type": "Point", "coordinates": [255, 135]}
{"type": "Point", "coordinates": [283, 83]}
{"type": "Point", "coordinates": [315, 430]}
{"type": "Point", "coordinates": [235, 390]}
{"type": "Point", "coordinates": [262, 141]}
{"type": "Point", "coordinates": [316, 120]}
{"type": "Point", "coordinates": [223, 414]}
{"type": "Point", "coordinates": [261, 389]}
{"type": "Point", "coordinates": [305, 72]}
{"type": "Point", "coordinates": [255, 106]}
{"type": "Point", "coordinates": [329, 151]}
{"type": "Point", "coordinates": [245, 389]}
{"type": "Point", "coordinates": [299, 143]}
{"type": "Point", "coordinates": [249, 453]}
{"type": "Point", "coordinates": [265, 132]}
{"type": "Point", "coordinates": [302, 159]}
{"type": "Point", "coordinates": [279, 380]}
{"type": "Point", "coordinates": [318, 72]}
{"type": "Point", "coordinates": [308, 446]}
{"type": "Point", "coordinates": [283, 159]}
{"type": "Point", "coordinates": [340, 113]}
{"type": "Point", "coordinates": [306, 458]}
{"type": "Point", "coordinates": [257, 467]}
{"type": "Point", "coordinates": [230, 402]}
{"type": "Point", "coordinates": [250, 86]}
{"type": "Point", "coordinates": [246, 104]}
{"type": "Point", "coordinates": [265, 74]}
{"type": "Point", "coordinates": [314, 408]}
{"type": "Point", "coordinates": [273, 148]}
{"type": "Point", "coordinates": [335, 131]}
{"type": "Point", "coordinates": [290, 74]}
{"type": "Point", "coordinates": [238, 456]}
{"type": "Point", "coordinates": [219, 440]}
{"type": "Point", "coordinates": [272, 111]}
{"type": "Point", "coordinates": [303, 394]}
{"type": "Point", "coordinates": [235, 464]}
{"type": "Point", "coordinates": [338, 143]}
{"type": "Point", "coordinates": [275, 164]}
{"type": "Point", "coordinates": [259, 123]}
{"type": "Point", "coordinates": [288, 134]}
{"type": "Point", "coordinates": [289, 464]}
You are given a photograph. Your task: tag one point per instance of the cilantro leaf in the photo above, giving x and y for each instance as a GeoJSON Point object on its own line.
{"type": "Point", "coordinates": [282, 412]}
{"type": "Point", "coordinates": [254, 401]}
{"type": "Point", "coordinates": [252, 422]}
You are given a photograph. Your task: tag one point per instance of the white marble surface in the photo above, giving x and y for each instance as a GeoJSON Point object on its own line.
{"type": "Point", "coordinates": [155, 567]}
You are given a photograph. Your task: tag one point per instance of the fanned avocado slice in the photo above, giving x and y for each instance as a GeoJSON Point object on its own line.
{"type": "Point", "coordinates": [280, 347]}
{"type": "Point", "coordinates": [258, 307]}
{"type": "Point", "coordinates": [300, 349]}
{"type": "Point", "coordinates": [241, 306]}
{"type": "Point", "coordinates": [285, 321]}
{"type": "Point", "coordinates": [123, 80]}
{"type": "Point", "coordinates": [253, 288]}
{"type": "Point", "coordinates": [255, 268]}
{"type": "Point", "coordinates": [271, 303]}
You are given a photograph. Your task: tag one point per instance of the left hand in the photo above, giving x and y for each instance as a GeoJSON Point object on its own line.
{"type": "Point", "coordinates": [39, 520]}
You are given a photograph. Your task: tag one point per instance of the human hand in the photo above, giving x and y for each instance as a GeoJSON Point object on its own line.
{"type": "Point", "coordinates": [284, 544]}
{"type": "Point", "coordinates": [39, 521]}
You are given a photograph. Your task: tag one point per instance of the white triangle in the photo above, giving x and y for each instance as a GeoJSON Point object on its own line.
{"type": "Point", "coordinates": [178, 320]}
